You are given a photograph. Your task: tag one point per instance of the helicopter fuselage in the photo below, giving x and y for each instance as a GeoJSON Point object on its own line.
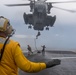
{"type": "Point", "coordinates": [39, 18]}
{"type": "Point", "coordinates": [39, 15]}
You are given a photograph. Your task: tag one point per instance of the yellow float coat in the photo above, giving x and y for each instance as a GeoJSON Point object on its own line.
{"type": "Point", "coordinates": [13, 59]}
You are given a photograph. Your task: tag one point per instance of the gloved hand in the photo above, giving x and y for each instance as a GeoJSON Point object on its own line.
{"type": "Point", "coordinates": [52, 63]}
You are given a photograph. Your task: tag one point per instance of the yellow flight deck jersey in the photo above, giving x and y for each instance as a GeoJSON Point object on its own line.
{"type": "Point", "coordinates": [14, 58]}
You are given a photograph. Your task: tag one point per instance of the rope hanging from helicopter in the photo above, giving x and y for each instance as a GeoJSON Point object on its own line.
{"type": "Point", "coordinates": [38, 34]}
{"type": "Point", "coordinates": [35, 44]}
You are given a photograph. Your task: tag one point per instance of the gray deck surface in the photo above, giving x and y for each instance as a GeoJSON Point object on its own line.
{"type": "Point", "coordinates": [67, 66]}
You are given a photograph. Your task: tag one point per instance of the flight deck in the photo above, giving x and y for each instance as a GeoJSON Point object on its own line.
{"type": "Point", "coordinates": [67, 66]}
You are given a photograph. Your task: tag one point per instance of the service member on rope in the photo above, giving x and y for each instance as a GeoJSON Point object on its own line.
{"type": "Point", "coordinates": [11, 56]}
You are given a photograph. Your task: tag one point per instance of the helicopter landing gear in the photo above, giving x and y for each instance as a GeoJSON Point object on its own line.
{"type": "Point", "coordinates": [47, 28]}
{"type": "Point", "coordinates": [25, 18]}
{"type": "Point", "coordinates": [30, 26]}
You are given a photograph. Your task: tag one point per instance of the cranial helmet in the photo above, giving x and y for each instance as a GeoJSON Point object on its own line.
{"type": "Point", "coordinates": [5, 25]}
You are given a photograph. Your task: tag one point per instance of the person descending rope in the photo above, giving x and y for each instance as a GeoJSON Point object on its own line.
{"type": "Point", "coordinates": [38, 34]}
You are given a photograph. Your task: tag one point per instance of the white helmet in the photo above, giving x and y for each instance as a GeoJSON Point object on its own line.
{"type": "Point", "coordinates": [5, 25]}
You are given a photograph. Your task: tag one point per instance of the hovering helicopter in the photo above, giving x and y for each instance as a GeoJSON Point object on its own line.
{"type": "Point", "coordinates": [39, 18]}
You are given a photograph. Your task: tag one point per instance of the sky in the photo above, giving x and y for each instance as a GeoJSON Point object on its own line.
{"type": "Point", "coordinates": [60, 37]}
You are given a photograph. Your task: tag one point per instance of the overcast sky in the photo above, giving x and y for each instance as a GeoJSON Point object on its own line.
{"type": "Point", "coordinates": [61, 36]}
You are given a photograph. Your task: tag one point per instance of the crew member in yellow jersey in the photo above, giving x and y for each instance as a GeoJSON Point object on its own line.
{"type": "Point", "coordinates": [11, 56]}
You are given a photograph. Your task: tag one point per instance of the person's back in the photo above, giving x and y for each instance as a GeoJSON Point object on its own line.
{"type": "Point", "coordinates": [11, 56]}
{"type": "Point", "coordinates": [8, 65]}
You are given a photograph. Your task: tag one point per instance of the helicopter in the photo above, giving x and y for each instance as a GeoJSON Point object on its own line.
{"type": "Point", "coordinates": [39, 17]}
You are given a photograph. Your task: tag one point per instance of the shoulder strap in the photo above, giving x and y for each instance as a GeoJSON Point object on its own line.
{"type": "Point", "coordinates": [2, 50]}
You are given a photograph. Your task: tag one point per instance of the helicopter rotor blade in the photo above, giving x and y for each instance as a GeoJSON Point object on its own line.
{"type": "Point", "coordinates": [17, 4]}
{"type": "Point", "coordinates": [73, 11]}
{"type": "Point", "coordinates": [62, 2]}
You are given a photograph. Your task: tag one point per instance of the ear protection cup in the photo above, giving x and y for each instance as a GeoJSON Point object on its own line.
{"type": "Point", "coordinates": [9, 29]}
